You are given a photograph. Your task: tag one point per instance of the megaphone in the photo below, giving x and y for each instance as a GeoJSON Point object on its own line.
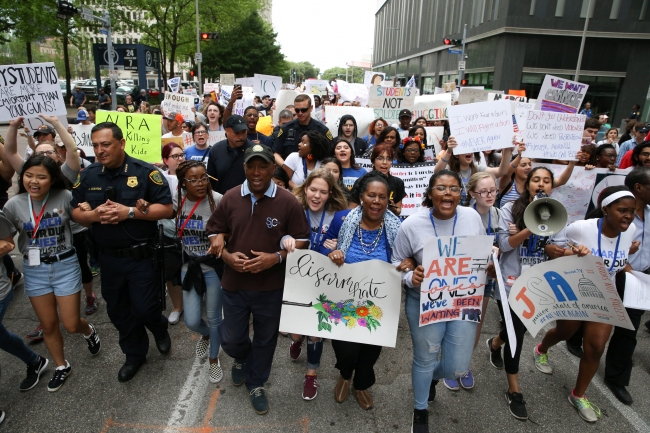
{"type": "Point", "coordinates": [545, 216]}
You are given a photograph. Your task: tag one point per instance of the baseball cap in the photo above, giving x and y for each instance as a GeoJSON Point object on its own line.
{"type": "Point", "coordinates": [645, 129]}
{"type": "Point", "coordinates": [45, 129]}
{"type": "Point", "coordinates": [82, 115]}
{"type": "Point", "coordinates": [236, 122]}
{"type": "Point", "coordinates": [404, 113]}
{"type": "Point", "coordinates": [207, 94]}
{"type": "Point", "coordinates": [174, 116]}
{"type": "Point", "coordinates": [260, 150]}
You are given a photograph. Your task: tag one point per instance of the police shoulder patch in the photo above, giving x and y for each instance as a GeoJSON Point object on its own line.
{"type": "Point", "coordinates": [280, 133]}
{"type": "Point", "coordinates": [329, 135]}
{"type": "Point", "coordinates": [78, 181]}
{"type": "Point", "coordinates": [156, 177]}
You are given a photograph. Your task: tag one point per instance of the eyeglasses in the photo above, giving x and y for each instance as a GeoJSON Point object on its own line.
{"type": "Point", "coordinates": [412, 150]}
{"type": "Point", "coordinates": [441, 190]}
{"type": "Point", "coordinates": [45, 152]}
{"type": "Point", "coordinates": [197, 181]}
{"type": "Point", "coordinates": [302, 110]}
{"type": "Point", "coordinates": [200, 132]}
{"type": "Point", "coordinates": [487, 192]}
{"type": "Point", "coordinates": [644, 154]}
{"type": "Point", "coordinates": [178, 156]}
{"type": "Point", "coordinates": [382, 159]}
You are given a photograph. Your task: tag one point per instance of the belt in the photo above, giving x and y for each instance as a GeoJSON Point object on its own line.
{"type": "Point", "coordinates": [138, 252]}
{"type": "Point", "coordinates": [48, 260]}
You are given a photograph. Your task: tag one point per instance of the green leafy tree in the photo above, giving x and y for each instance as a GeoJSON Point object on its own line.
{"type": "Point", "coordinates": [247, 49]}
{"type": "Point", "coordinates": [303, 70]}
{"type": "Point", "coordinates": [354, 74]}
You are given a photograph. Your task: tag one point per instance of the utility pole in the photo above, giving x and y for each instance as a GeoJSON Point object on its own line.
{"type": "Point", "coordinates": [461, 72]}
{"type": "Point", "coordinates": [87, 15]}
{"type": "Point", "coordinates": [198, 57]}
{"type": "Point", "coordinates": [582, 42]}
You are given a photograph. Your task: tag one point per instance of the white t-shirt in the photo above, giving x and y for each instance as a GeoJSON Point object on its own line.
{"type": "Point", "coordinates": [294, 162]}
{"type": "Point", "coordinates": [585, 233]}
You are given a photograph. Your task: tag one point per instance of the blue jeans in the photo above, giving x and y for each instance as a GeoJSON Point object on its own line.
{"type": "Point", "coordinates": [455, 338]}
{"type": "Point", "coordinates": [10, 342]}
{"type": "Point", "coordinates": [192, 310]}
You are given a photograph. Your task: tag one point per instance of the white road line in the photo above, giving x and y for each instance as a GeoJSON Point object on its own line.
{"type": "Point", "coordinates": [186, 410]}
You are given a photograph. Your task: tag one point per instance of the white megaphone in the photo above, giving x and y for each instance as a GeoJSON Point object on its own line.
{"type": "Point", "coordinates": [545, 216]}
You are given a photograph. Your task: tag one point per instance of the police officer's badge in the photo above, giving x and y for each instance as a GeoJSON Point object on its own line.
{"type": "Point", "coordinates": [156, 177]}
{"type": "Point", "coordinates": [280, 133]}
{"type": "Point", "coordinates": [132, 181]}
{"type": "Point", "coordinates": [329, 135]}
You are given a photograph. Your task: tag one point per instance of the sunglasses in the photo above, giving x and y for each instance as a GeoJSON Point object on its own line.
{"type": "Point", "coordinates": [301, 110]}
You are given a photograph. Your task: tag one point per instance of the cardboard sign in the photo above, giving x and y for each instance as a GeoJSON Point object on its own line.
{"type": "Point", "coordinates": [227, 79]}
{"type": "Point", "coordinates": [82, 138]}
{"type": "Point", "coordinates": [388, 101]}
{"type": "Point", "coordinates": [432, 107]}
{"type": "Point", "coordinates": [267, 85]}
{"type": "Point", "coordinates": [176, 102]}
{"type": "Point", "coordinates": [372, 78]}
{"type": "Point", "coordinates": [141, 132]}
{"type": "Point", "coordinates": [552, 135]}
{"type": "Point", "coordinates": [29, 90]}
{"type": "Point", "coordinates": [454, 278]}
{"type": "Point", "coordinates": [215, 137]}
{"type": "Point", "coordinates": [560, 95]}
{"type": "Point", "coordinates": [178, 140]}
{"type": "Point", "coordinates": [481, 126]}
{"type": "Point", "coordinates": [568, 288]}
{"type": "Point", "coordinates": [355, 302]}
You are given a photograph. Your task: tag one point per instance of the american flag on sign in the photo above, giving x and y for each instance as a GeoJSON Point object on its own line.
{"type": "Point", "coordinates": [514, 123]}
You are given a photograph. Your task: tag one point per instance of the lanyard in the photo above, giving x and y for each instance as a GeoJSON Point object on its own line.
{"type": "Point", "coordinates": [319, 236]}
{"type": "Point", "coordinates": [36, 220]}
{"type": "Point", "coordinates": [182, 229]}
{"type": "Point", "coordinates": [304, 167]}
{"type": "Point", "coordinates": [600, 232]}
{"type": "Point", "coordinates": [434, 223]}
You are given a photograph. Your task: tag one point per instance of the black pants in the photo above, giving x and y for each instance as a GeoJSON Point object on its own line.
{"type": "Point", "coordinates": [234, 331]}
{"type": "Point", "coordinates": [358, 359]}
{"type": "Point", "coordinates": [512, 363]}
{"type": "Point", "coordinates": [131, 290]}
{"type": "Point", "coordinates": [79, 243]}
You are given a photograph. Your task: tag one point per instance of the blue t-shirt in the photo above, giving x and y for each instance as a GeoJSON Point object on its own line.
{"type": "Point", "coordinates": [350, 175]}
{"type": "Point", "coordinates": [78, 97]}
{"type": "Point", "coordinates": [356, 254]}
{"type": "Point", "coordinates": [263, 139]}
{"type": "Point", "coordinates": [194, 154]}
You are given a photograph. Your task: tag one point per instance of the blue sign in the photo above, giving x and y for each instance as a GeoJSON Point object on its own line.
{"type": "Point", "coordinates": [452, 51]}
{"type": "Point", "coordinates": [103, 32]}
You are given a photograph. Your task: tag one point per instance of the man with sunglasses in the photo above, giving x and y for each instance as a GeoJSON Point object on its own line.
{"type": "Point", "coordinates": [200, 150]}
{"type": "Point", "coordinates": [291, 134]}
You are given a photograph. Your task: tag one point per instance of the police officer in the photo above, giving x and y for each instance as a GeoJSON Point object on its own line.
{"type": "Point", "coordinates": [291, 134]}
{"type": "Point", "coordinates": [106, 197]}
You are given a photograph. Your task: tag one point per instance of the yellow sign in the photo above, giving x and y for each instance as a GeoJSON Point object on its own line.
{"type": "Point", "coordinates": [132, 181]}
{"type": "Point", "coordinates": [141, 131]}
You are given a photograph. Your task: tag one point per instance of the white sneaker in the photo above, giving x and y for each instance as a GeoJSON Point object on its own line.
{"type": "Point", "coordinates": [174, 317]}
{"type": "Point", "coordinates": [215, 373]}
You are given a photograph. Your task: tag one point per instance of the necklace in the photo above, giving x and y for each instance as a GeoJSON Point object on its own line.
{"type": "Point", "coordinates": [374, 243]}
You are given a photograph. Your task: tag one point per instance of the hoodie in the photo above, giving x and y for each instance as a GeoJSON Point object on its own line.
{"type": "Point", "coordinates": [358, 144]}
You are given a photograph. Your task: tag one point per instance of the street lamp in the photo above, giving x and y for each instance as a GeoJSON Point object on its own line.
{"type": "Point", "coordinates": [396, 51]}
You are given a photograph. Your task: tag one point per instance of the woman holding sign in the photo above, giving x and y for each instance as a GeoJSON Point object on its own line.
{"type": "Point", "coordinates": [441, 349]}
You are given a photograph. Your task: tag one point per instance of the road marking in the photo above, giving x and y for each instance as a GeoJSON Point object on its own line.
{"type": "Point", "coordinates": [186, 410]}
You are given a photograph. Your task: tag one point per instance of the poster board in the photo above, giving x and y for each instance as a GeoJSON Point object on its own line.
{"type": "Point", "coordinates": [267, 85]}
{"type": "Point", "coordinates": [179, 103]}
{"type": "Point", "coordinates": [82, 138]}
{"type": "Point", "coordinates": [387, 102]}
{"type": "Point", "coordinates": [432, 107]}
{"type": "Point", "coordinates": [373, 78]}
{"type": "Point", "coordinates": [215, 137]}
{"type": "Point", "coordinates": [469, 95]}
{"type": "Point", "coordinates": [141, 133]}
{"type": "Point", "coordinates": [316, 87]}
{"type": "Point", "coordinates": [481, 126]}
{"type": "Point", "coordinates": [560, 95]}
{"type": "Point", "coordinates": [552, 135]}
{"type": "Point", "coordinates": [227, 79]}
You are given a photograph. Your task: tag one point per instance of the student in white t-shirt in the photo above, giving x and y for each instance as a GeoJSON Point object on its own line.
{"type": "Point", "coordinates": [608, 233]}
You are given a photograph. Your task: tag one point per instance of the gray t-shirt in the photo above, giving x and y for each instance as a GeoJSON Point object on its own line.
{"type": "Point", "coordinates": [6, 229]}
{"type": "Point", "coordinates": [54, 235]}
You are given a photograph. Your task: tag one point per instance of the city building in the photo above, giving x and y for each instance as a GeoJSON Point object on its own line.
{"type": "Point", "coordinates": [513, 44]}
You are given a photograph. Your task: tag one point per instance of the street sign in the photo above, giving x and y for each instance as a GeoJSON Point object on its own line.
{"type": "Point", "coordinates": [452, 51]}
{"type": "Point", "coordinates": [103, 32]}
{"type": "Point", "coordinates": [198, 57]}
{"type": "Point", "coordinates": [87, 14]}
{"type": "Point", "coordinates": [130, 59]}
{"type": "Point", "coordinates": [461, 65]}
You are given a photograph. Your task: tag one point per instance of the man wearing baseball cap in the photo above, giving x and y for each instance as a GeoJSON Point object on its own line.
{"type": "Point", "coordinates": [256, 215]}
{"type": "Point", "coordinates": [404, 122]}
{"type": "Point", "coordinates": [173, 124]}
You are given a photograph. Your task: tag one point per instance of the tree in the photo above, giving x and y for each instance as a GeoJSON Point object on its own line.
{"type": "Point", "coordinates": [354, 74]}
{"type": "Point", "coordinates": [303, 70]}
{"type": "Point", "coordinates": [245, 50]}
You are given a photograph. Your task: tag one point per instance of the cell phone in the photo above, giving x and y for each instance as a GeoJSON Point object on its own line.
{"type": "Point", "coordinates": [238, 86]}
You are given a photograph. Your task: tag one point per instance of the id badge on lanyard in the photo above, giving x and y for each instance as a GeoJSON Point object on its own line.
{"type": "Point", "coordinates": [33, 251]}
{"type": "Point", "coordinates": [33, 256]}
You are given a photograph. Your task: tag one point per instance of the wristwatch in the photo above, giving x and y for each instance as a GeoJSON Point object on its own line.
{"type": "Point", "coordinates": [131, 214]}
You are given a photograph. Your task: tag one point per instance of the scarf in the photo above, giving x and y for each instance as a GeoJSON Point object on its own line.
{"type": "Point", "coordinates": [352, 221]}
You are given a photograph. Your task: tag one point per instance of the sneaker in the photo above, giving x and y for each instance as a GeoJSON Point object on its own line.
{"type": "Point", "coordinates": [2, 416]}
{"type": "Point", "coordinates": [202, 348]}
{"type": "Point", "coordinates": [95, 270]}
{"type": "Point", "coordinates": [59, 377]}
{"type": "Point", "coordinates": [541, 361]}
{"type": "Point", "coordinates": [587, 411]}
{"type": "Point", "coordinates": [420, 421]}
{"type": "Point", "coordinates": [495, 356]}
{"type": "Point", "coordinates": [174, 317]}
{"type": "Point", "coordinates": [259, 401]}
{"type": "Point", "coordinates": [310, 389]}
{"type": "Point", "coordinates": [215, 372]}
{"type": "Point", "coordinates": [92, 304]}
{"type": "Point", "coordinates": [93, 341]}
{"type": "Point", "coordinates": [467, 380]}
{"type": "Point", "coordinates": [15, 278]}
{"type": "Point", "coordinates": [517, 405]}
{"type": "Point", "coordinates": [33, 374]}
{"type": "Point", "coordinates": [36, 334]}
{"type": "Point", "coordinates": [237, 372]}
{"type": "Point", "coordinates": [451, 384]}
{"type": "Point", "coordinates": [432, 391]}
{"type": "Point", "coordinates": [296, 348]}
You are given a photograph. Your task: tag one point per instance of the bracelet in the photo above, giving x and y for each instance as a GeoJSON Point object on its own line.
{"type": "Point", "coordinates": [444, 160]}
{"type": "Point", "coordinates": [279, 255]}
{"type": "Point", "coordinates": [229, 108]}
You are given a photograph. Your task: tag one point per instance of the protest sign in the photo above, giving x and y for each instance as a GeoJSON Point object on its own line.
{"type": "Point", "coordinates": [454, 278]}
{"type": "Point", "coordinates": [355, 302]}
{"type": "Point", "coordinates": [498, 96]}
{"type": "Point", "coordinates": [247, 100]}
{"type": "Point", "coordinates": [267, 85]}
{"type": "Point", "coordinates": [316, 87]}
{"type": "Point", "coordinates": [32, 123]}
{"type": "Point", "coordinates": [141, 132]}
{"type": "Point", "coordinates": [372, 78]}
{"type": "Point", "coordinates": [363, 115]}
{"type": "Point", "coordinates": [227, 79]}
{"type": "Point", "coordinates": [181, 141]}
{"type": "Point", "coordinates": [215, 137]}
{"type": "Point", "coordinates": [470, 95]}
{"type": "Point", "coordinates": [431, 107]}
{"type": "Point", "coordinates": [481, 126]}
{"type": "Point", "coordinates": [388, 101]}
{"type": "Point", "coordinates": [211, 87]}
{"type": "Point", "coordinates": [568, 288]}
{"type": "Point", "coordinates": [352, 92]}
{"type": "Point", "coordinates": [520, 112]}
{"type": "Point", "coordinates": [510, 328]}
{"type": "Point", "coordinates": [560, 95]}
{"type": "Point", "coordinates": [434, 135]}
{"type": "Point", "coordinates": [247, 82]}
{"type": "Point", "coordinates": [82, 138]}
{"type": "Point", "coordinates": [174, 84]}
{"type": "Point", "coordinates": [637, 291]}
{"type": "Point", "coordinates": [30, 90]}
{"type": "Point", "coordinates": [552, 135]}
{"type": "Point", "coordinates": [175, 102]}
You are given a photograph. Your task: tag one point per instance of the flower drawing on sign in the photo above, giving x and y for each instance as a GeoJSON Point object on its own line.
{"type": "Point", "coordinates": [364, 314]}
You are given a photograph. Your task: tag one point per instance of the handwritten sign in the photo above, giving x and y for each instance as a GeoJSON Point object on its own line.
{"type": "Point", "coordinates": [431, 107]}
{"type": "Point", "coordinates": [246, 82]}
{"type": "Point", "coordinates": [388, 101]}
{"type": "Point", "coordinates": [499, 96]}
{"type": "Point", "coordinates": [215, 137]}
{"type": "Point", "coordinates": [552, 135]}
{"type": "Point", "coordinates": [469, 95]}
{"type": "Point", "coordinates": [568, 288]}
{"type": "Point", "coordinates": [352, 92]}
{"type": "Point", "coordinates": [29, 90]}
{"type": "Point", "coordinates": [175, 102]}
{"type": "Point", "coordinates": [520, 112]}
{"type": "Point", "coordinates": [454, 278]}
{"type": "Point", "coordinates": [227, 79]}
{"type": "Point", "coordinates": [355, 302]}
{"type": "Point", "coordinates": [267, 85]}
{"type": "Point", "coordinates": [560, 95]}
{"type": "Point", "coordinates": [141, 132]}
{"type": "Point", "coordinates": [82, 138]}
{"type": "Point", "coordinates": [248, 98]}
{"type": "Point", "coordinates": [481, 126]}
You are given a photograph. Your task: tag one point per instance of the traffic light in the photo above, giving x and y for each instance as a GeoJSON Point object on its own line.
{"type": "Point", "coordinates": [66, 9]}
{"type": "Point", "coordinates": [463, 82]}
{"type": "Point", "coordinates": [452, 42]}
{"type": "Point", "coordinates": [209, 35]}
{"type": "Point", "coordinates": [191, 72]}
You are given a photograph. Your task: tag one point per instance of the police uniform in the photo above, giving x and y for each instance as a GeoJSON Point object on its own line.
{"type": "Point", "coordinates": [291, 134]}
{"type": "Point", "coordinates": [130, 285]}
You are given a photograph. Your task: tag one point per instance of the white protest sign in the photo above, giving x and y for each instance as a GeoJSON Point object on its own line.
{"type": "Point", "coordinates": [227, 79]}
{"type": "Point", "coordinates": [637, 291]}
{"type": "Point", "coordinates": [32, 123]}
{"type": "Point", "coordinates": [267, 85]}
{"type": "Point", "coordinates": [210, 87]}
{"type": "Point", "coordinates": [347, 91]}
{"type": "Point", "coordinates": [248, 99]}
{"type": "Point", "coordinates": [387, 102]}
{"type": "Point", "coordinates": [552, 135]}
{"type": "Point", "coordinates": [434, 135]}
{"type": "Point", "coordinates": [372, 78]}
{"type": "Point", "coordinates": [510, 328]}
{"type": "Point", "coordinates": [560, 95]}
{"type": "Point", "coordinates": [520, 111]}
{"type": "Point", "coordinates": [469, 95]}
{"type": "Point", "coordinates": [247, 82]}
{"type": "Point", "coordinates": [431, 107]}
{"type": "Point", "coordinates": [316, 87]}
{"type": "Point", "coordinates": [215, 137]}
{"type": "Point", "coordinates": [179, 103]}
{"type": "Point", "coordinates": [355, 302]}
{"type": "Point", "coordinates": [190, 91]}
{"type": "Point", "coordinates": [174, 84]}
{"type": "Point", "coordinates": [30, 90]}
{"type": "Point", "coordinates": [498, 96]}
{"type": "Point", "coordinates": [81, 135]}
{"type": "Point", "coordinates": [363, 116]}
{"type": "Point", "coordinates": [481, 126]}
{"type": "Point", "coordinates": [568, 288]}
{"type": "Point", "coordinates": [454, 278]}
